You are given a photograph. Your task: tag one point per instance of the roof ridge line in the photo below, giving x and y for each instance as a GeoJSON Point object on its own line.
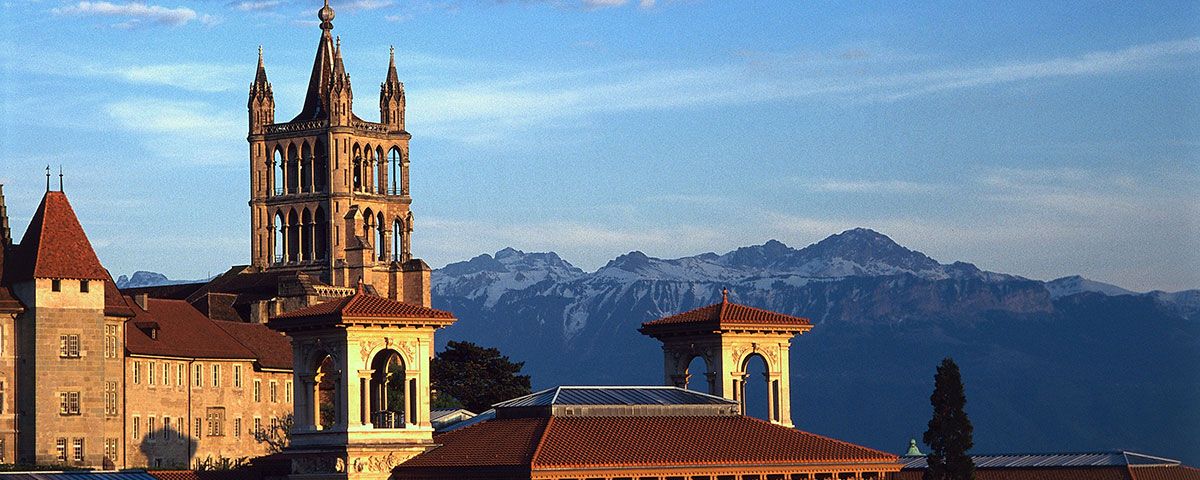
{"type": "Point", "coordinates": [537, 451]}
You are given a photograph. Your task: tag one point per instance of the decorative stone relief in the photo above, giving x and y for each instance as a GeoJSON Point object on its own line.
{"type": "Point", "coordinates": [316, 464]}
{"type": "Point", "coordinates": [377, 463]}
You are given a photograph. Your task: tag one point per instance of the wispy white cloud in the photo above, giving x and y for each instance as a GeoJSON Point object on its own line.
{"type": "Point", "coordinates": [871, 186]}
{"type": "Point", "coordinates": [256, 5]}
{"type": "Point", "coordinates": [453, 111]}
{"type": "Point", "coordinates": [364, 5]}
{"type": "Point", "coordinates": [136, 13]}
{"type": "Point", "coordinates": [189, 131]}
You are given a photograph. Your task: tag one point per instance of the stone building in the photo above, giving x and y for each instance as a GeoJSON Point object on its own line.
{"type": "Point", "coordinates": [91, 378]}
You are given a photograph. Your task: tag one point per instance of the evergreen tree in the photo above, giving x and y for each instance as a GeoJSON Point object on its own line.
{"type": "Point", "coordinates": [477, 377]}
{"type": "Point", "coordinates": [949, 434]}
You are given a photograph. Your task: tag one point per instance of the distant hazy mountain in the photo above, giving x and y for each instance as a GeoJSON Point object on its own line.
{"type": "Point", "coordinates": [148, 279]}
{"type": "Point", "coordinates": [1070, 364]}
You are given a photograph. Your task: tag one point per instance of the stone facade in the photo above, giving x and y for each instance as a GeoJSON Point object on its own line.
{"type": "Point", "coordinates": [181, 411]}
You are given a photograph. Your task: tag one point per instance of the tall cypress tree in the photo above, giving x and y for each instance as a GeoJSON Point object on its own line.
{"type": "Point", "coordinates": [949, 434]}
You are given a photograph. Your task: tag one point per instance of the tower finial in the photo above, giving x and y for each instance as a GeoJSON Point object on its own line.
{"type": "Point", "coordinates": [725, 295]}
{"type": "Point", "coordinates": [47, 178]}
{"type": "Point", "coordinates": [325, 15]}
{"type": "Point", "coordinates": [60, 178]}
{"type": "Point", "coordinates": [362, 289]}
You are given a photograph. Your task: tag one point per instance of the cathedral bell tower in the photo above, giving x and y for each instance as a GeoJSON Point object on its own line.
{"type": "Point", "coordinates": [329, 190]}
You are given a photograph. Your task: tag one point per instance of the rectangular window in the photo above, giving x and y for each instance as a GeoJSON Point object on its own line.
{"type": "Point", "coordinates": [78, 447]}
{"type": "Point", "coordinates": [150, 433]}
{"type": "Point", "coordinates": [137, 372]}
{"type": "Point", "coordinates": [68, 346]}
{"type": "Point", "coordinates": [137, 428]}
{"type": "Point", "coordinates": [257, 390]}
{"type": "Point", "coordinates": [166, 373]}
{"type": "Point", "coordinates": [237, 427]}
{"type": "Point", "coordinates": [179, 375]}
{"type": "Point", "coordinates": [287, 392]}
{"type": "Point", "coordinates": [83, 286]}
{"type": "Point", "coordinates": [110, 341]}
{"type": "Point", "coordinates": [197, 431]}
{"type": "Point", "coordinates": [68, 403]}
{"type": "Point", "coordinates": [56, 286]}
{"type": "Point", "coordinates": [258, 433]}
{"type": "Point", "coordinates": [110, 398]}
{"type": "Point", "coordinates": [237, 376]}
{"type": "Point", "coordinates": [199, 373]}
{"type": "Point", "coordinates": [216, 375]}
{"type": "Point", "coordinates": [274, 391]}
{"type": "Point", "coordinates": [2, 408]}
{"type": "Point", "coordinates": [60, 446]}
{"type": "Point", "coordinates": [166, 428]}
{"type": "Point", "coordinates": [216, 421]}
{"type": "Point", "coordinates": [110, 449]}
{"type": "Point", "coordinates": [150, 374]}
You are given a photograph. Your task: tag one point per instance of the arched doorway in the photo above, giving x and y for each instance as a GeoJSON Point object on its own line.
{"type": "Point", "coordinates": [698, 375]}
{"type": "Point", "coordinates": [755, 397]}
{"type": "Point", "coordinates": [326, 379]}
{"type": "Point", "coordinates": [387, 391]}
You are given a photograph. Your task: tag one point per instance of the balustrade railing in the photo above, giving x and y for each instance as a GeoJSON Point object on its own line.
{"type": "Point", "coordinates": [387, 419]}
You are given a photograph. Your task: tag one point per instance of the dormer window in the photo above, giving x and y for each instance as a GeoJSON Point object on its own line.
{"type": "Point", "coordinates": [149, 328]}
{"type": "Point", "coordinates": [83, 286]}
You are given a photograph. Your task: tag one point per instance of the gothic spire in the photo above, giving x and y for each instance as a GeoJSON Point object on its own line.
{"type": "Point", "coordinates": [392, 78]}
{"type": "Point", "coordinates": [316, 103]}
{"type": "Point", "coordinates": [5, 234]}
{"type": "Point", "coordinates": [260, 77]}
{"type": "Point", "coordinates": [339, 68]}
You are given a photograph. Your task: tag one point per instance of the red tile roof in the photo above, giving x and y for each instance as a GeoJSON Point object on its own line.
{"type": "Point", "coordinates": [183, 332]}
{"type": "Point", "coordinates": [55, 246]}
{"type": "Point", "coordinates": [1164, 472]}
{"type": "Point", "coordinates": [663, 441]}
{"type": "Point", "coordinates": [115, 304]}
{"type": "Point", "coordinates": [727, 313]}
{"type": "Point", "coordinates": [271, 348]}
{"type": "Point", "coordinates": [362, 305]}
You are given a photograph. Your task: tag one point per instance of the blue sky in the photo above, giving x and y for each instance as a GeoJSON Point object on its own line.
{"type": "Point", "coordinates": [1036, 138]}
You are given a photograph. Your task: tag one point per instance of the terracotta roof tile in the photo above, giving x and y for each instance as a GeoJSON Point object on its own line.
{"type": "Point", "coordinates": [363, 305]}
{"type": "Point", "coordinates": [494, 443]}
{"type": "Point", "coordinates": [271, 348]}
{"type": "Point", "coordinates": [1164, 472]}
{"type": "Point", "coordinates": [115, 304]}
{"type": "Point", "coordinates": [665, 441]}
{"type": "Point", "coordinates": [574, 442]}
{"type": "Point", "coordinates": [183, 332]}
{"type": "Point", "coordinates": [728, 313]}
{"type": "Point", "coordinates": [55, 246]}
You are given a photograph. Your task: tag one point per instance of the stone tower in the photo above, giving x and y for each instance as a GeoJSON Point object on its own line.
{"type": "Point", "coordinates": [329, 190]}
{"type": "Point", "coordinates": [727, 336]}
{"type": "Point", "coordinates": [361, 368]}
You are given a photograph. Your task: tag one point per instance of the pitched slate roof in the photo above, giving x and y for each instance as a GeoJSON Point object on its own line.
{"type": "Point", "coordinates": [185, 332]}
{"type": "Point", "coordinates": [9, 303]}
{"type": "Point", "coordinates": [533, 443]}
{"type": "Point", "coordinates": [728, 314]}
{"type": "Point", "coordinates": [55, 246]}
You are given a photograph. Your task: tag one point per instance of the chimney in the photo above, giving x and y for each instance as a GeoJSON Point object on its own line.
{"type": "Point", "coordinates": [143, 301]}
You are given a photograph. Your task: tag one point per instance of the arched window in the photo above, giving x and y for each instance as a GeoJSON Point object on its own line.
{"type": "Point", "coordinates": [293, 237]}
{"type": "Point", "coordinates": [397, 240]}
{"type": "Point", "coordinates": [756, 395]}
{"type": "Point", "coordinates": [368, 169]}
{"type": "Point", "coordinates": [279, 169]}
{"type": "Point", "coordinates": [381, 175]}
{"type": "Point", "coordinates": [306, 236]}
{"type": "Point", "coordinates": [306, 168]}
{"type": "Point", "coordinates": [326, 412]}
{"type": "Point", "coordinates": [293, 169]}
{"type": "Point", "coordinates": [320, 167]}
{"type": "Point", "coordinates": [381, 246]}
{"type": "Point", "coordinates": [368, 232]}
{"type": "Point", "coordinates": [358, 168]}
{"type": "Point", "coordinates": [394, 163]}
{"type": "Point", "coordinates": [321, 234]}
{"type": "Point", "coordinates": [387, 392]}
{"type": "Point", "coordinates": [278, 236]}
{"type": "Point", "coordinates": [698, 376]}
